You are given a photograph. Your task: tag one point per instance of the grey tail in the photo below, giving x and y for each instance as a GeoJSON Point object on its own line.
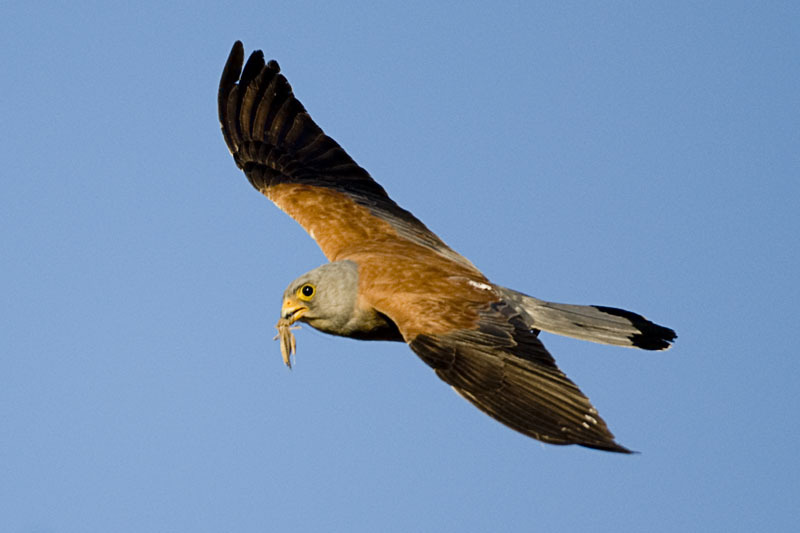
{"type": "Point", "coordinates": [595, 323]}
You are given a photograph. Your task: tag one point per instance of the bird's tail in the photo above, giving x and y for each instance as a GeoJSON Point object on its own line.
{"type": "Point", "coordinates": [595, 323]}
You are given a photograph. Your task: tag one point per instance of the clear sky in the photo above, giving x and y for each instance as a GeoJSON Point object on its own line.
{"type": "Point", "coordinates": [632, 155]}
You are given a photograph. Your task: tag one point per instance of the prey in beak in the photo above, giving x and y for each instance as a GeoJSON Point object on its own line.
{"type": "Point", "coordinates": [290, 313]}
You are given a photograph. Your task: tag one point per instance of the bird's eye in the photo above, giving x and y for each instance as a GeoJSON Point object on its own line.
{"type": "Point", "coordinates": [305, 292]}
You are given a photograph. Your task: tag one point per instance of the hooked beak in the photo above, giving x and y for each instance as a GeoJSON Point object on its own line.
{"type": "Point", "coordinates": [292, 311]}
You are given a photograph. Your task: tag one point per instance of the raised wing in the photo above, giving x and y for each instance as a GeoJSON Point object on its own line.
{"type": "Point", "coordinates": [286, 156]}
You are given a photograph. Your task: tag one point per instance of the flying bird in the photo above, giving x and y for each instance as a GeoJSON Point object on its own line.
{"type": "Point", "coordinates": [390, 278]}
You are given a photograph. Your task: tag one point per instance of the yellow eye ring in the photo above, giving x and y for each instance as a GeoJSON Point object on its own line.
{"type": "Point", "coordinates": [306, 292]}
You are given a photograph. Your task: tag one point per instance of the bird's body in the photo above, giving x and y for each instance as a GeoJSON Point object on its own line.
{"type": "Point", "coordinates": [391, 278]}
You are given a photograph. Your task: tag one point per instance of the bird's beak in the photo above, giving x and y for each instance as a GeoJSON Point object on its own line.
{"type": "Point", "coordinates": [292, 311]}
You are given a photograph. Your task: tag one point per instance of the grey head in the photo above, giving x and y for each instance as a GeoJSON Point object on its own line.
{"type": "Point", "coordinates": [326, 299]}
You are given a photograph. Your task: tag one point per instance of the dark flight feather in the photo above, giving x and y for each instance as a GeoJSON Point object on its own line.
{"type": "Point", "coordinates": [505, 371]}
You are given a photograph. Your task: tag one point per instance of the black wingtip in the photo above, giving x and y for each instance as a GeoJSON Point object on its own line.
{"type": "Point", "coordinates": [252, 68]}
{"type": "Point", "coordinates": [610, 447]}
{"type": "Point", "coordinates": [230, 75]}
{"type": "Point", "coordinates": [233, 66]}
{"type": "Point", "coordinates": [227, 84]}
{"type": "Point", "coordinates": [233, 73]}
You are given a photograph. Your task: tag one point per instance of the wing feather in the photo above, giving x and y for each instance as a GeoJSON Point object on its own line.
{"type": "Point", "coordinates": [286, 156]}
{"type": "Point", "coordinates": [502, 368]}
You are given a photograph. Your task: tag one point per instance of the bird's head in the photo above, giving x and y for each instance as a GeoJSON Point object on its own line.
{"type": "Point", "coordinates": [324, 298]}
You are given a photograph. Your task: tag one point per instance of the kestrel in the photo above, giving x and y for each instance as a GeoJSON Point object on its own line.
{"type": "Point", "coordinates": [391, 278]}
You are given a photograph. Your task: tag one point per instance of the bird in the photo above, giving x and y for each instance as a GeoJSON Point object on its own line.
{"type": "Point", "coordinates": [390, 278]}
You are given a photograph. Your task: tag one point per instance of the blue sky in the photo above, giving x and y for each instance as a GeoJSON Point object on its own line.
{"type": "Point", "coordinates": [634, 155]}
